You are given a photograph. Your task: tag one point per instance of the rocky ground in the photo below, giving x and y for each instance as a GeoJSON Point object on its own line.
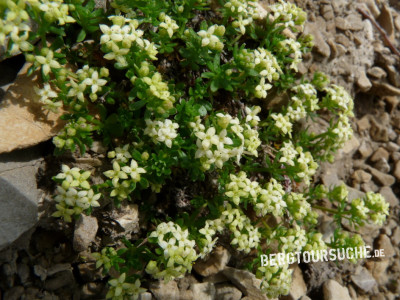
{"type": "Point", "coordinates": [42, 258]}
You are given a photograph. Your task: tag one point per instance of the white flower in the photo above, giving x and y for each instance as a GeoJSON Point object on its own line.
{"type": "Point", "coordinates": [162, 131]}
{"type": "Point", "coordinates": [47, 62]}
{"type": "Point", "coordinates": [168, 24]}
{"type": "Point", "coordinates": [95, 82]}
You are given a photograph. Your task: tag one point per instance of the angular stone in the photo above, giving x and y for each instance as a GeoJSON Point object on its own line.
{"type": "Point", "coordinates": [128, 218]}
{"type": "Point", "coordinates": [383, 242]}
{"type": "Point", "coordinates": [382, 165]}
{"type": "Point", "coordinates": [298, 287]}
{"type": "Point", "coordinates": [23, 123]}
{"type": "Point", "coordinates": [378, 270]}
{"type": "Point", "coordinates": [216, 262]}
{"type": "Point", "coordinates": [384, 89]}
{"type": "Point", "coordinates": [377, 73]}
{"type": "Point", "coordinates": [205, 290]}
{"type": "Point", "coordinates": [351, 146]}
{"type": "Point", "coordinates": [320, 45]}
{"type": "Point", "coordinates": [19, 195]}
{"type": "Point", "coordinates": [392, 147]}
{"type": "Point", "coordinates": [365, 150]}
{"type": "Point", "coordinates": [364, 280]}
{"type": "Point", "coordinates": [360, 176]}
{"type": "Point", "coordinates": [385, 19]}
{"type": "Point", "coordinates": [364, 83]}
{"type": "Point", "coordinates": [85, 232]}
{"type": "Point", "coordinates": [382, 178]}
{"type": "Point", "coordinates": [226, 291]}
{"type": "Point", "coordinates": [396, 236]}
{"type": "Point", "coordinates": [380, 153]}
{"type": "Point", "coordinates": [246, 282]}
{"type": "Point", "coordinates": [389, 196]}
{"type": "Point", "coordinates": [165, 291]}
{"type": "Point", "coordinates": [334, 291]}
{"type": "Point", "coordinates": [64, 278]}
{"type": "Point", "coordinates": [363, 124]}
{"type": "Point", "coordinates": [396, 171]}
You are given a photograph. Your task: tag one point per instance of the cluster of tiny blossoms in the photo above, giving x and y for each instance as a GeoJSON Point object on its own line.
{"type": "Point", "coordinates": [178, 253]}
{"type": "Point", "coordinates": [54, 10]}
{"type": "Point", "coordinates": [119, 38]}
{"type": "Point", "coordinates": [276, 280]}
{"type": "Point", "coordinates": [74, 194]}
{"type": "Point", "coordinates": [243, 12]}
{"type": "Point", "coordinates": [214, 143]}
{"type": "Point", "coordinates": [245, 236]}
{"type": "Point", "coordinates": [161, 131]}
{"type": "Point", "coordinates": [123, 178]}
{"type": "Point", "coordinates": [265, 200]}
{"type": "Point", "coordinates": [302, 162]}
{"type": "Point", "coordinates": [372, 207]}
{"type": "Point", "coordinates": [300, 209]}
{"type": "Point", "coordinates": [288, 14]}
{"type": "Point", "coordinates": [122, 290]}
{"type": "Point", "coordinates": [211, 37]}
{"type": "Point", "coordinates": [46, 94]}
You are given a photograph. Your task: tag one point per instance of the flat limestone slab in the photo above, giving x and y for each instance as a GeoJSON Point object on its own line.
{"type": "Point", "coordinates": [23, 122]}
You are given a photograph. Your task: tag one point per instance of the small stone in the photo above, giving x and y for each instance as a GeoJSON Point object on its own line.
{"type": "Point", "coordinates": [395, 156]}
{"type": "Point", "coordinates": [320, 44]}
{"type": "Point", "coordinates": [363, 124]}
{"type": "Point", "coordinates": [383, 242]}
{"type": "Point", "coordinates": [369, 187]}
{"type": "Point", "coordinates": [351, 146]}
{"type": "Point", "coordinates": [392, 147]}
{"type": "Point", "coordinates": [23, 273]}
{"type": "Point", "coordinates": [85, 232]}
{"type": "Point", "coordinates": [364, 280]}
{"type": "Point", "coordinates": [389, 196]}
{"type": "Point", "coordinates": [246, 282]}
{"type": "Point", "coordinates": [377, 73]}
{"type": "Point", "coordinates": [384, 89]}
{"type": "Point", "coordinates": [216, 278]}
{"type": "Point", "coordinates": [343, 40]}
{"type": "Point", "coordinates": [380, 153]}
{"type": "Point", "coordinates": [185, 282]}
{"type": "Point", "coordinates": [61, 279]}
{"type": "Point", "coordinates": [382, 165]}
{"type": "Point", "coordinates": [382, 178]}
{"type": "Point", "coordinates": [216, 262]}
{"type": "Point", "coordinates": [185, 295]}
{"type": "Point", "coordinates": [226, 291]}
{"type": "Point", "coordinates": [128, 218]}
{"type": "Point", "coordinates": [98, 147]}
{"type": "Point", "coordinates": [378, 270]}
{"type": "Point", "coordinates": [334, 291]}
{"type": "Point", "coordinates": [393, 76]}
{"type": "Point", "coordinates": [396, 236]}
{"type": "Point", "coordinates": [165, 291]}
{"type": "Point", "coordinates": [88, 272]}
{"type": "Point", "coordinates": [385, 19]}
{"type": "Point", "coordinates": [396, 171]}
{"type": "Point", "coordinates": [40, 272]}
{"type": "Point", "coordinates": [93, 290]}
{"type": "Point", "coordinates": [15, 293]}
{"type": "Point", "coordinates": [327, 12]}
{"type": "Point", "coordinates": [378, 132]}
{"type": "Point", "coordinates": [360, 176]}
{"type": "Point", "coordinates": [149, 296]}
{"type": "Point", "coordinates": [365, 149]}
{"type": "Point", "coordinates": [205, 290]}
{"type": "Point", "coordinates": [363, 83]}
{"type": "Point", "coordinates": [298, 287]}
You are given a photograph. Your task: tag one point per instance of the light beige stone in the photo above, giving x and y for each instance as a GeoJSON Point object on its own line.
{"type": "Point", "coordinates": [23, 123]}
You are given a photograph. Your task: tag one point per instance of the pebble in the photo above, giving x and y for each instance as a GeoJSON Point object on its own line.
{"type": "Point", "coordinates": [61, 279]}
{"type": "Point", "coordinates": [204, 291]}
{"type": "Point", "coordinates": [85, 232]}
{"type": "Point", "coordinates": [383, 242]}
{"type": "Point", "coordinates": [334, 291]}
{"type": "Point", "coordinates": [389, 196]}
{"type": "Point", "coordinates": [377, 73]}
{"type": "Point", "coordinates": [365, 149]}
{"type": "Point", "coordinates": [395, 238]}
{"type": "Point", "coordinates": [360, 176]}
{"type": "Point", "coordinates": [382, 178]}
{"type": "Point", "coordinates": [226, 291]}
{"type": "Point", "coordinates": [298, 287]}
{"type": "Point", "coordinates": [363, 280]}
{"type": "Point", "coordinates": [363, 124]}
{"type": "Point", "coordinates": [364, 83]}
{"type": "Point", "coordinates": [396, 171]}
{"type": "Point", "coordinates": [382, 165]}
{"type": "Point", "coordinates": [165, 291]}
{"type": "Point", "coordinates": [216, 262]}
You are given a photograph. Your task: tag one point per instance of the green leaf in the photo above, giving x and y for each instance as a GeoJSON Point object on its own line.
{"type": "Point", "coordinates": [213, 86]}
{"type": "Point", "coordinates": [137, 105]}
{"type": "Point", "coordinates": [81, 36]}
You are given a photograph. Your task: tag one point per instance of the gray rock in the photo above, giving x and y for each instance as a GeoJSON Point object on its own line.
{"type": "Point", "coordinates": [384, 89]}
{"type": "Point", "coordinates": [392, 147]}
{"type": "Point", "coordinates": [334, 291]}
{"type": "Point", "coordinates": [380, 153]}
{"type": "Point", "coordinates": [14, 293]}
{"type": "Point", "coordinates": [360, 176]}
{"type": "Point", "coordinates": [382, 178]}
{"type": "Point", "coordinates": [165, 291]}
{"type": "Point", "coordinates": [61, 279]}
{"type": "Point", "coordinates": [364, 83]}
{"type": "Point", "coordinates": [23, 273]}
{"type": "Point", "coordinates": [226, 291]}
{"type": "Point", "coordinates": [205, 290]}
{"type": "Point", "coordinates": [19, 195]}
{"type": "Point", "coordinates": [216, 262]}
{"type": "Point", "coordinates": [365, 149]}
{"type": "Point", "coordinates": [382, 165]}
{"type": "Point", "coordinates": [246, 282]}
{"type": "Point", "coordinates": [147, 296]}
{"type": "Point", "coordinates": [85, 232]}
{"type": "Point", "coordinates": [128, 218]}
{"type": "Point", "coordinates": [396, 171]}
{"type": "Point", "coordinates": [396, 236]}
{"type": "Point", "coordinates": [93, 290]}
{"type": "Point", "coordinates": [383, 242]}
{"type": "Point", "coordinates": [389, 196]}
{"type": "Point", "coordinates": [320, 44]}
{"type": "Point", "coordinates": [185, 282]}
{"type": "Point", "coordinates": [377, 73]}
{"type": "Point", "coordinates": [378, 270]}
{"type": "Point", "coordinates": [364, 280]}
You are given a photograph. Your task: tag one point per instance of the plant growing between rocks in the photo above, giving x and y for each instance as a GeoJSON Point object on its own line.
{"type": "Point", "coordinates": [185, 89]}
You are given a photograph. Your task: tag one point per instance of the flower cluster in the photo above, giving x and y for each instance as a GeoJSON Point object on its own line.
{"type": "Point", "coordinates": [124, 178]}
{"type": "Point", "coordinates": [74, 195]}
{"type": "Point", "coordinates": [243, 12]}
{"type": "Point", "coordinates": [121, 290]}
{"type": "Point", "coordinates": [72, 133]}
{"type": "Point", "coordinates": [119, 38]}
{"type": "Point", "coordinates": [46, 61]}
{"type": "Point", "coordinates": [277, 280]}
{"type": "Point", "coordinates": [265, 200]}
{"type": "Point", "coordinates": [302, 162]}
{"type": "Point", "coordinates": [299, 208]}
{"type": "Point", "coordinates": [245, 235]}
{"type": "Point", "coordinates": [314, 242]}
{"type": "Point", "coordinates": [90, 81]}
{"type": "Point", "coordinates": [290, 239]}
{"type": "Point", "coordinates": [46, 94]}
{"type": "Point", "coordinates": [159, 90]}
{"type": "Point", "coordinates": [168, 24]}
{"type": "Point", "coordinates": [294, 49]}
{"type": "Point", "coordinates": [120, 154]}
{"type": "Point", "coordinates": [372, 207]}
{"type": "Point", "coordinates": [54, 10]}
{"type": "Point", "coordinates": [211, 37]}
{"type": "Point", "coordinates": [178, 252]}
{"type": "Point", "coordinates": [161, 131]}
{"type": "Point", "coordinates": [344, 240]}
{"type": "Point", "coordinates": [288, 14]}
